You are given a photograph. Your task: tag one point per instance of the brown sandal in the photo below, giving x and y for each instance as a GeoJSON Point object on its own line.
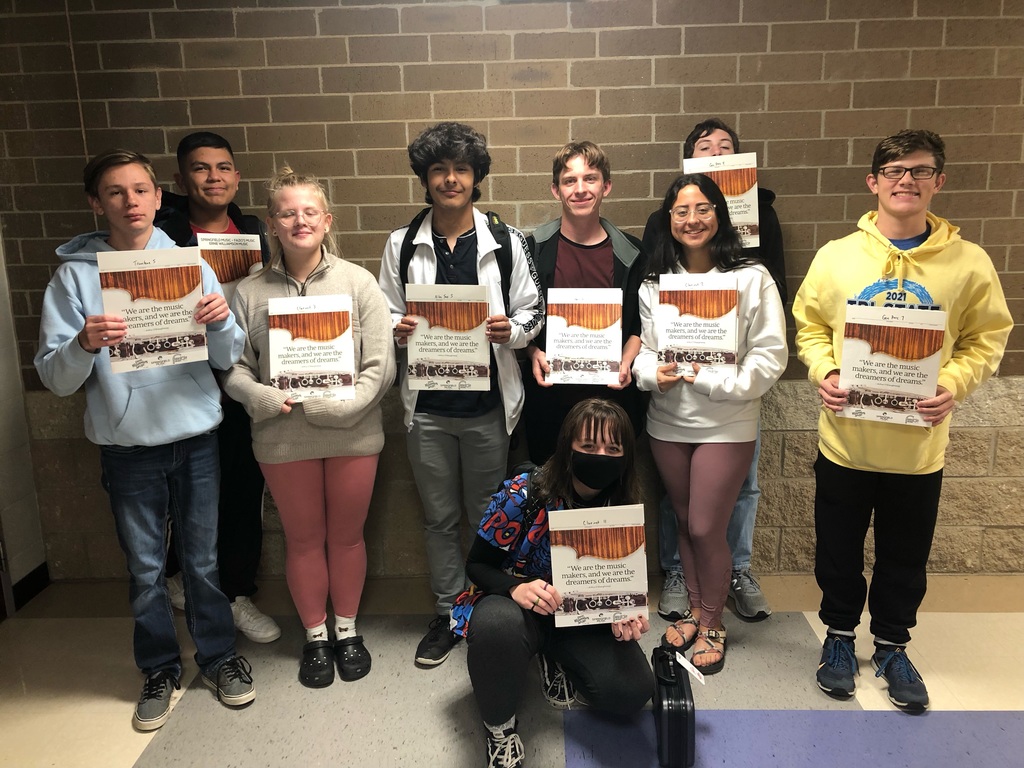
{"type": "Point", "coordinates": [675, 639]}
{"type": "Point", "coordinates": [714, 638]}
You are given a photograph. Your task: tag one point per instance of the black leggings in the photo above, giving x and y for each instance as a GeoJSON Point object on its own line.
{"type": "Point", "coordinates": [612, 675]}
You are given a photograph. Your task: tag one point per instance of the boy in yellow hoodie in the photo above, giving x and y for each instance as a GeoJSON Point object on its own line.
{"type": "Point", "coordinates": [901, 256]}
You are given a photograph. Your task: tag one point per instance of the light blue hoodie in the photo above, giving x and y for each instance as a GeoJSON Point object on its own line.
{"type": "Point", "coordinates": [148, 407]}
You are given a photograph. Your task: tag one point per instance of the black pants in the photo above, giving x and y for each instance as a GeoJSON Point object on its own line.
{"type": "Point", "coordinates": [240, 521]}
{"type": "Point", "coordinates": [612, 675]}
{"type": "Point", "coordinates": [905, 509]}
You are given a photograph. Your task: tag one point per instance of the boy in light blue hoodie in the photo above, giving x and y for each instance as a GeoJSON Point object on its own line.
{"type": "Point", "coordinates": [156, 432]}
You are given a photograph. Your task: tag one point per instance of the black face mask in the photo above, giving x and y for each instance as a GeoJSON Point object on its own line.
{"type": "Point", "coordinates": [597, 471]}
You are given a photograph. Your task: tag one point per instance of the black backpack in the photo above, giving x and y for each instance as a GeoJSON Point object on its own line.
{"type": "Point", "coordinates": [504, 253]}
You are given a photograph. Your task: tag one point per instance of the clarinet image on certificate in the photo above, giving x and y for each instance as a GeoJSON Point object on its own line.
{"type": "Point", "coordinates": [311, 347]}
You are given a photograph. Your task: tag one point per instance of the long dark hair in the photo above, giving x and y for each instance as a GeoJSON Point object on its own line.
{"type": "Point", "coordinates": [589, 418]}
{"type": "Point", "coordinates": [726, 247]}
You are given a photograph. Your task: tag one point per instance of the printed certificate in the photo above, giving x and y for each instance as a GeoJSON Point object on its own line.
{"type": "Point", "coordinates": [890, 361]}
{"type": "Point", "coordinates": [311, 347]}
{"type": "Point", "coordinates": [598, 564]}
{"type": "Point", "coordinates": [448, 350]}
{"type": "Point", "coordinates": [156, 292]}
{"type": "Point", "coordinates": [232, 257]}
{"type": "Point", "coordinates": [584, 335]}
{"type": "Point", "coordinates": [696, 321]}
{"type": "Point", "coordinates": [736, 176]}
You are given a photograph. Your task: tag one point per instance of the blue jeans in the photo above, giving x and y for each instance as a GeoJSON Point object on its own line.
{"type": "Point", "coordinates": [740, 533]}
{"type": "Point", "coordinates": [146, 484]}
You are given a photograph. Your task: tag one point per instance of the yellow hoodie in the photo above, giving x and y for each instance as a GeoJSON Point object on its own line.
{"type": "Point", "coordinates": [945, 272]}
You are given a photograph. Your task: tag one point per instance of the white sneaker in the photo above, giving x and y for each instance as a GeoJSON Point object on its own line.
{"type": "Point", "coordinates": [176, 591]}
{"type": "Point", "coordinates": [252, 622]}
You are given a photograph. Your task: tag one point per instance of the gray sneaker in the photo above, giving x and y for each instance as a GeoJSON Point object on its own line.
{"type": "Point", "coordinates": [155, 700]}
{"type": "Point", "coordinates": [747, 596]}
{"type": "Point", "coordinates": [232, 682]}
{"type": "Point", "coordinates": [675, 600]}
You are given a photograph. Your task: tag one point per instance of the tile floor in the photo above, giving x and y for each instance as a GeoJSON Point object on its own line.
{"type": "Point", "coordinates": [68, 685]}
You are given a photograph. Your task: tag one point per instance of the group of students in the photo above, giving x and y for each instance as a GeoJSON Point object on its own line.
{"type": "Point", "coordinates": [157, 428]}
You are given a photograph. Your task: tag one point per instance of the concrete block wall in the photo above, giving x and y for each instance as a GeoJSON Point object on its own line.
{"type": "Point", "coordinates": [339, 88]}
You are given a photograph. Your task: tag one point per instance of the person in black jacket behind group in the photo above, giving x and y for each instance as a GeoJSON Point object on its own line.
{"type": "Point", "coordinates": [711, 138]}
{"type": "Point", "coordinates": [209, 179]}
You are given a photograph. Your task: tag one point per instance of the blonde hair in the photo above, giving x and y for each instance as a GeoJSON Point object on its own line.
{"type": "Point", "coordinates": [285, 178]}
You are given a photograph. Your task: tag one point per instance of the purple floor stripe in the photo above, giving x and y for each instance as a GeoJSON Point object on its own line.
{"type": "Point", "coordinates": [791, 739]}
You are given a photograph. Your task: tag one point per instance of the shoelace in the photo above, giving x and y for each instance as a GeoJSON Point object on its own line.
{"type": "Point", "coordinates": [438, 627]}
{"type": "Point", "coordinates": [556, 685]}
{"type": "Point", "coordinates": [506, 752]}
{"type": "Point", "coordinates": [745, 582]}
{"type": "Point", "coordinates": [674, 582]}
{"type": "Point", "coordinates": [841, 657]}
{"type": "Point", "coordinates": [237, 669]}
{"type": "Point", "coordinates": [249, 610]}
{"type": "Point", "coordinates": [154, 685]}
{"type": "Point", "coordinates": [903, 669]}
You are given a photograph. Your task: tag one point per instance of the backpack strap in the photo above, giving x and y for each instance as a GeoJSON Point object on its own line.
{"type": "Point", "coordinates": [405, 253]}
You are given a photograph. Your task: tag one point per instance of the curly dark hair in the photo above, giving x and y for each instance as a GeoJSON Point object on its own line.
{"type": "Point", "coordinates": [457, 142]}
{"type": "Point", "coordinates": [726, 247]}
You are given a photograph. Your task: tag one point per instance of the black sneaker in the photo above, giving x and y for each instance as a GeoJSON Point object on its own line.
{"type": "Point", "coordinates": [506, 751]}
{"type": "Point", "coordinates": [232, 682]}
{"type": "Point", "coordinates": [436, 644]}
{"type": "Point", "coordinates": [837, 667]}
{"type": "Point", "coordinates": [155, 701]}
{"type": "Point", "coordinates": [906, 686]}
{"type": "Point", "coordinates": [556, 687]}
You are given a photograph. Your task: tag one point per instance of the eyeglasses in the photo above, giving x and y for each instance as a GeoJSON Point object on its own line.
{"type": "Point", "coordinates": [310, 215]}
{"type": "Point", "coordinates": [897, 172]}
{"type": "Point", "coordinates": [704, 212]}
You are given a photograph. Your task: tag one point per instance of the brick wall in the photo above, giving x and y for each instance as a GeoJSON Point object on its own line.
{"type": "Point", "coordinates": [339, 88]}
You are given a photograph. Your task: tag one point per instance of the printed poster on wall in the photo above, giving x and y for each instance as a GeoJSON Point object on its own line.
{"type": "Point", "coordinates": [448, 350]}
{"type": "Point", "coordinates": [584, 335]}
{"type": "Point", "coordinates": [696, 321]}
{"type": "Point", "coordinates": [156, 292]}
{"type": "Point", "coordinates": [890, 361]}
{"type": "Point", "coordinates": [598, 564]}
{"type": "Point", "coordinates": [311, 347]}
{"type": "Point", "coordinates": [736, 176]}
{"type": "Point", "coordinates": [232, 257]}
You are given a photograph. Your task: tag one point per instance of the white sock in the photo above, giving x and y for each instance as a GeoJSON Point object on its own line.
{"type": "Point", "coordinates": [318, 632]}
{"type": "Point", "coordinates": [344, 626]}
{"type": "Point", "coordinates": [499, 731]}
{"type": "Point", "coordinates": [842, 632]}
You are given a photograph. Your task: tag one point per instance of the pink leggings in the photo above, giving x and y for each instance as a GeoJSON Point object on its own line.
{"type": "Point", "coordinates": [703, 509]}
{"type": "Point", "coordinates": [323, 505]}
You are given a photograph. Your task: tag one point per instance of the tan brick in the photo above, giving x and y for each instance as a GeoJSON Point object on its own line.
{"type": "Point", "coordinates": [609, 74]}
{"type": "Point", "coordinates": [894, 93]}
{"type": "Point", "coordinates": [980, 91]}
{"type": "Point", "coordinates": [635, 157]}
{"type": "Point", "coordinates": [1010, 62]}
{"type": "Point", "coordinates": [1009, 119]}
{"type": "Point", "coordinates": [289, 81]}
{"type": "Point", "coordinates": [1009, 449]}
{"type": "Point", "coordinates": [50, 114]}
{"type": "Point", "coordinates": [265, 23]}
{"type": "Point", "coordinates": [690, 70]}
{"type": "Point", "coordinates": [984, 33]}
{"type": "Point", "coordinates": [140, 55]}
{"type": "Point", "coordinates": [866, 65]}
{"type": "Point", "coordinates": [730, 38]}
{"type": "Point", "coordinates": [1002, 550]}
{"type": "Point", "coordinates": [812, 209]}
{"type": "Point", "coordinates": [953, 63]}
{"type": "Point", "coordinates": [43, 87]}
{"type": "Point", "coordinates": [226, 53]}
{"type": "Point", "coordinates": [952, 120]}
{"type": "Point", "coordinates": [281, 138]}
{"type": "Point", "coordinates": [807, 153]}
{"type": "Point", "coordinates": [310, 109]}
{"type": "Point", "coordinates": [973, 204]}
{"type": "Point", "coordinates": [361, 79]}
{"type": "Point", "coordinates": [769, 464]}
{"type": "Point", "coordinates": [781, 10]}
{"type": "Point", "coordinates": [50, 197]}
{"type": "Point", "coordinates": [764, 556]}
{"type": "Point", "coordinates": [43, 58]}
{"type": "Point", "coordinates": [799, 451]}
{"type": "Point", "coordinates": [183, 25]}
{"type": "Point", "coordinates": [522, 16]}
{"type": "Point", "coordinates": [555, 45]}
{"type": "Point", "coordinates": [788, 502]}
{"type": "Point", "coordinates": [463, 106]}
{"type": "Point", "coordinates": [611, 13]}
{"type": "Point", "coordinates": [32, 29]}
{"type": "Point", "coordinates": [553, 103]}
{"type": "Point", "coordinates": [872, 123]}
{"type": "Point", "coordinates": [955, 549]}
{"type": "Point", "coordinates": [899, 34]}
{"type": "Point", "coordinates": [534, 75]}
{"type": "Point", "coordinates": [385, 218]}
{"type": "Point", "coordinates": [630, 186]}
{"type": "Point", "coordinates": [325, 51]}
{"type": "Point", "coordinates": [796, 550]}
{"type": "Point", "coordinates": [680, 12]}
{"type": "Point", "coordinates": [463, 17]}
{"type": "Point", "coordinates": [385, 48]}
{"type": "Point", "coordinates": [367, 191]}
{"type": "Point", "coordinates": [603, 130]}
{"type": "Point", "coordinates": [520, 133]}
{"type": "Point", "coordinates": [969, 453]}
{"type": "Point", "coordinates": [392, 106]}
{"type": "Point", "coordinates": [228, 111]}
{"type": "Point", "coordinates": [1008, 232]}
{"type": "Point", "coordinates": [780, 67]}
{"type": "Point", "coordinates": [627, 214]}
{"type": "Point", "coordinates": [786, 97]}
{"type": "Point", "coordinates": [123, 25]}
{"type": "Point", "coordinates": [520, 186]}
{"type": "Point", "coordinates": [779, 125]}
{"type": "Point", "coordinates": [813, 36]}
{"type": "Point", "coordinates": [161, 113]}
{"type": "Point", "coordinates": [444, 77]}
{"type": "Point", "coordinates": [870, 9]}
{"type": "Point", "coordinates": [382, 162]}
{"type": "Point", "coordinates": [360, 21]}
{"type": "Point", "coordinates": [1005, 176]}
{"type": "Point", "coordinates": [358, 135]}
{"type": "Point", "coordinates": [631, 42]}
{"type": "Point", "coordinates": [190, 83]}
{"type": "Point", "coordinates": [478, 47]}
{"type": "Point", "coordinates": [699, 99]}
{"type": "Point", "coordinates": [677, 127]}
{"type": "Point", "coordinates": [997, 148]}
{"type": "Point", "coordinates": [321, 164]}
{"type": "Point", "coordinates": [789, 181]}
{"type": "Point", "coordinates": [538, 159]}
{"type": "Point", "coordinates": [36, 143]}
{"type": "Point", "coordinates": [944, 8]}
